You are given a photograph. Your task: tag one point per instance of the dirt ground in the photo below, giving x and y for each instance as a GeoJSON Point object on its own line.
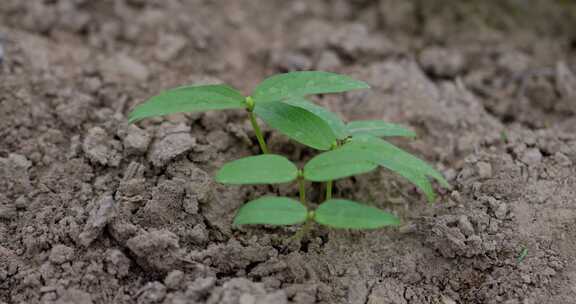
{"type": "Point", "coordinates": [95, 211]}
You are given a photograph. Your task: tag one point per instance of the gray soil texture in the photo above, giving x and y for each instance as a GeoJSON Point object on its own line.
{"type": "Point", "coordinates": [93, 210]}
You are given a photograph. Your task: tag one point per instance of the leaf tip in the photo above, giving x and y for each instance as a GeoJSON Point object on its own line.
{"type": "Point", "coordinates": [235, 223]}
{"type": "Point", "coordinates": [219, 179]}
{"type": "Point", "coordinates": [396, 221]}
{"type": "Point", "coordinates": [444, 183]}
{"type": "Point", "coordinates": [132, 119]}
{"type": "Point", "coordinates": [134, 116]}
{"type": "Point", "coordinates": [431, 197]}
{"type": "Point", "coordinates": [363, 85]}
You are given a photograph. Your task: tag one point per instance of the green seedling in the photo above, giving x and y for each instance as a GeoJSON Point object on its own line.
{"type": "Point", "coordinates": [522, 255]}
{"type": "Point", "coordinates": [347, 148]}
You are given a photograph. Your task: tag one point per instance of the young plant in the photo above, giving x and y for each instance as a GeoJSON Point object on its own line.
{"type": "Point", "coordinates": [349, 149]}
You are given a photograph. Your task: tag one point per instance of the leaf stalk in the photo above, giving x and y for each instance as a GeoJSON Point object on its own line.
{"type": "Point", "coordinates": [330, 183]}
{"type": "Point", "coordinates": [329, 189]}
{"type": "Point", "coordinates": [258, 133]}
{"type": "Point", "coordinates": [250, 107]}
{"type": "Point", "coordinates": [302, 188]}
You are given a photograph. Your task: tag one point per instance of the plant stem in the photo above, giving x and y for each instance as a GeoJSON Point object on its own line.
{"type": "Point", "coordinates": [329, 189]}
{"type": "Point", "coordinates": [330, 183]}
{"type": "Point", "coordinates": [302, 231]}
{"type": "Point", "coordinates": [259, 136]}
{"type": "Point", "coordinates": [302, 190]}
{"type": "Point", "coordinates": [311, 214]}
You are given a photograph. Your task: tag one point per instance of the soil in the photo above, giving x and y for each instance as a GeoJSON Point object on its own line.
{"type": "Point", "coordinates": [95, 211]}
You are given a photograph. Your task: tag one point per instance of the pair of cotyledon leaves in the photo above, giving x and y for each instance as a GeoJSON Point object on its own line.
{"type": "Point", "coordinates": [336, 213]}
{"type": "Point", "coordinates": [280, 102]}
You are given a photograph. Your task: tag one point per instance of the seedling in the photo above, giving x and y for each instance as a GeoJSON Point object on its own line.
{"type": "Point", "coordinates": [348, 149]}
{"type": "Point", "coordinates": [522, 255]}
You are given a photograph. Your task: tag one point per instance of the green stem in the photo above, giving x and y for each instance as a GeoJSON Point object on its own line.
{"type": "Point", "coordinates": [329, 189]}
{"type": "Point", "coordinates": [259, 136]}
{"type": "Point", "coordinates": [302, 190]}
{"type": "Point", "coordinates": [311, 214]}
{"type": "Point", "coordinates": [329, 184]}
{"type": "Point", "coordinates": [250, 107]}
{"type": "Point", "coordinates": [302, 231]}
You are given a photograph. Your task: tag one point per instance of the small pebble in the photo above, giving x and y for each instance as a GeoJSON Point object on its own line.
{"type": "Point", "coordinates": [531, 157]}
{"type": "Point", "coordinates": [61, 254]}
{"type": "Point", "coordinates": [484, 170]}
{"type": "Point", "coordinates": [118, 264]}
{"type": "Point", "coordinates": [152, 292]}
{"type": "Point", "coordinates": [292, 61]}
{"type": "Point", "coordinates": [174, 279]}
{"type": "Point", "coordinates": [169, 47]}
{"type": "Point", "coordinates": [447, 300]}
{"type": "Point", "coordinates": [8, 212]}
{"type": "Point", "coordinates": [121, 66]}
{"type": "Point", "coordinates": [442, 62]}
{"type": "Point", "coordinates": [493, 226]}
{"type": "Point", "coordinates": [136, 141]}
{"type": "Point", "coordinates": [501, 211]}
{"type": "Point", "coordinates": [465, 226]}
{"type": "Point", "coordinates": [175, 141]}
{"type": "Point", "coordinates": [562, 159]}
{"type": "Point", "coordinates": [328, 61]}
{"type": "Point", "coordinates": [199, 234]}
{"type": "Point", "coordinates": [21, 202]}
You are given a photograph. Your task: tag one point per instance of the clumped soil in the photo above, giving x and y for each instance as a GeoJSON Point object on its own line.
{"type": "Point", "coordinates": [95, 211]}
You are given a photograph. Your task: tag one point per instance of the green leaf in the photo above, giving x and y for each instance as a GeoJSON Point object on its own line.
{"type": "Point", "coordinates": [336, 164]}
{"type": "Point", "coordinates": [335, 123]}
{"type": "Point", "coordinates": [299, 84]}
{"type": "Point", "coordinates": [297, 123]}
{"type": "Point", "coordinates": [383, 146]}
{"type": "Point", "coordinates": [272, 211]}
{"type": "Point", "coordinates": [378, 128]}
{"type": "Point", "coordinates": [261, 169]}
{"type": "Point", "coordinates": [340, 213]}
{"type": "Point", "coordinates": [189, 99]}
{"type": "Point", "coordinates": [393, 158]}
